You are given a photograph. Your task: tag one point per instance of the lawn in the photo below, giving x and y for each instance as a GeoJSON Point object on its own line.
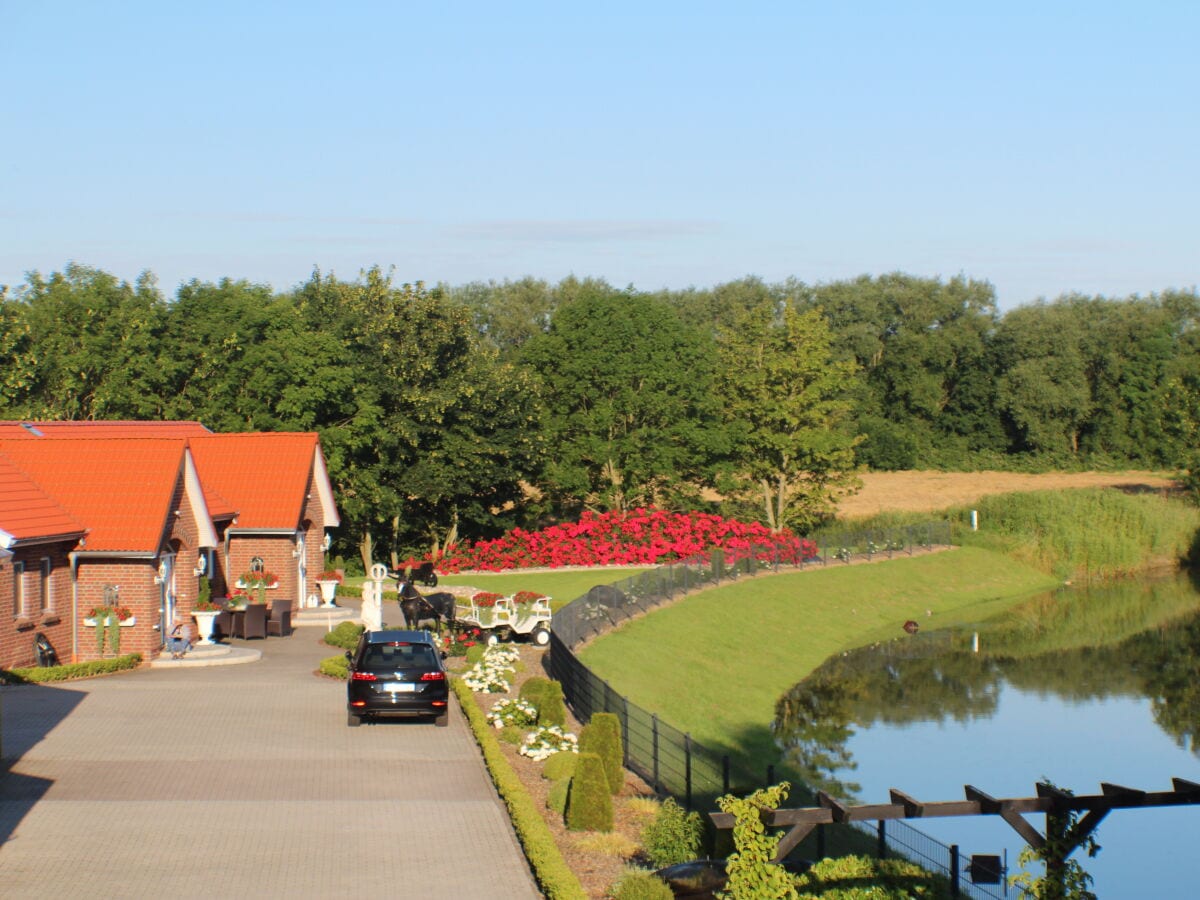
{"type": "Point", "coordinates": [715, 663]}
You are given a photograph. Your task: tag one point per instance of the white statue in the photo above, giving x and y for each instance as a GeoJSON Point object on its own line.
{"type": "Point", "coordinates": [372, 609]}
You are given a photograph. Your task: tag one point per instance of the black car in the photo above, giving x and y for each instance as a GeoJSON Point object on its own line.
{"type": "Point", "coordinates": [396, 673]}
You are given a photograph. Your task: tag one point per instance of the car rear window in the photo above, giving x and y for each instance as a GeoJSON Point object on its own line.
{"type": "Point", "coordinates": [389, 657]}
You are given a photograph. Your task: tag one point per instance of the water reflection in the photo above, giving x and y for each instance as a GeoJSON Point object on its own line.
{"type": "Point", "coordinates": [1134, 640]}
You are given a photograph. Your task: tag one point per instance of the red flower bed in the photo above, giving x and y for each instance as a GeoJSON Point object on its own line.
{"type": "Point", "coordinates": [642, 537]}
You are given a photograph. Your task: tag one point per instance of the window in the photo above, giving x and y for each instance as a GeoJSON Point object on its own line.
{"type": "Point", "coordinates": [46, 598]}
{"type": "Point", "coordinates": [18, 589]}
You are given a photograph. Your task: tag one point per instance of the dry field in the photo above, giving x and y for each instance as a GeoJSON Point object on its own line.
{"type": "Point", "coordinates": [935, 491]}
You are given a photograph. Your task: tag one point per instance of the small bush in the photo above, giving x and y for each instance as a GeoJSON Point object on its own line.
{"type": "Point", "coordinates": [69, 671]}
{"type": "Point", "coordinates": [642, 806]}
{"type": "Point", "coordinates": [561, 765]}
{"type": "Point", "coordinates": [552, 710]}
{"type": "Point", "coordinates": [556, 798]}
{"type": "Point", "coordinates": [335, 667]}
{"type": "Point", "coordinates": [474, 655]}
{"type": "Point", "coordinates": [639, 885]}
{"type": "Point", "coordinates": [589, 804]}
{"type": "Point", "coordinates": [853, 877]}
{"type": "Point", "coordinates": [602, 736]}
{"type": "Point", "coordinates": [345, 635]}
{"type": "Point", "coordinates": [673, 836]}
{"type": "Point", "coordinates": [533, 689]}
{"type": "Point", "coordinates": [511, 734]}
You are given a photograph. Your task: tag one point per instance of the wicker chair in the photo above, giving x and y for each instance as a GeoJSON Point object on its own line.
{"type": "Point", "coordinates": [254, 622]}
{"type": "Point", "coordinates": [280, 622]}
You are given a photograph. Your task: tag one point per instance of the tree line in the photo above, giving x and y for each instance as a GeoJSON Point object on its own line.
{"type": "Point", "coordinates": [461, 411]}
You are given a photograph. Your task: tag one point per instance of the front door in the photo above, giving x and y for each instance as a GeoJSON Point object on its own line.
{"type": "Point", "coordinates": [166, 590]}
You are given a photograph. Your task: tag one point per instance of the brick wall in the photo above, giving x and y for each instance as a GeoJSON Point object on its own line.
{"type": "Point", "coordinates": [136, 590]}
{"type": "Point", "coordinates": [17, 630]}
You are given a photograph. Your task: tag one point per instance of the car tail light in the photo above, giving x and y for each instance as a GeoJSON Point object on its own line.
{"type": "Point", "coordinates": [434, 676]}
{"type": "Point", "coordinates": [358, 703]}
{"type": "Point", "coordinates": [362, 676]}
{"type": "Point", "coordinates": [438, 703]}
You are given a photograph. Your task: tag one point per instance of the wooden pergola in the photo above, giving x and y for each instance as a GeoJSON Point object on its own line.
{"type": "Point", "coordinates": [1060, 839]}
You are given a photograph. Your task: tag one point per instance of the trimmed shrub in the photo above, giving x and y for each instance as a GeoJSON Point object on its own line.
{"type": "Point", "coordinates": [556, 798]}
{"type": "Point", "coordinates": [335, 667]}
{"type": "Point", "coordinates": [345, 635]}
{"type": "Point", "coordinates": [561, 765]}
{"type": "Point", "coordinates": [533, 689]}
{"type": "Point", "coordinates": [852, 877]}
{"type": "Point", "coordinates": [673, 836]}
{"type": "Point", "coordinates": [474, 655]}
{"type": "Point", "coordinates": [552, 710]}
{"type": "Point", "coordinates": [639, 885]}
{"type": "Point", "coordinates": [69, 671]}
{"type": "Point", "coordinates": [589, 804]}
{"type": "Point", "coordinates": [602, 736]}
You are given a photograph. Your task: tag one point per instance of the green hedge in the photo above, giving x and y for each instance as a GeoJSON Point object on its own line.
{"type": "Point", "coordinates": [554, 877]}
{"type": "Point", "coordinates": [39, 675]}
{"type": "Point", "coordinates": [344, 635]}
{"type": "Point", "coordinates": [335, 667]}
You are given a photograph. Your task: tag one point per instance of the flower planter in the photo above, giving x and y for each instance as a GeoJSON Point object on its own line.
{"type": "Point", "coordinates": [124, 623]}
{"type": "Point", "coordinates": [205, 620]}
{"type": "Point", "coordinates": [328, 592]}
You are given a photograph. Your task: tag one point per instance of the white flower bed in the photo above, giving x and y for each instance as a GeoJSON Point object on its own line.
{"type": "Point", "coordinates": [513, 712]}
{"type": "Point", "coordinates": [546, 741]}
{"type": "Point", "coordinates": [492, 675]}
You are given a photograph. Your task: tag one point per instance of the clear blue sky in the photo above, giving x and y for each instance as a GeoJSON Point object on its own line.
{"type": "Point", "coordinates": [1045, 147]}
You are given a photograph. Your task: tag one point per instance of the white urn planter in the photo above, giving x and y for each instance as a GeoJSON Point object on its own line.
{"type": "Point", "coordinates": [205, 620]}
{"type": "Point", "coordinates": [328, 592]}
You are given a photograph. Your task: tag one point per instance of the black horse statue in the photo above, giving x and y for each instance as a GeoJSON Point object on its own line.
{"type": "Point", "coordinates": [418, 608]}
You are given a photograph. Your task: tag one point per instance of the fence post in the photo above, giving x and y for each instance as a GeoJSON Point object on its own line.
{"type": "Point", "coordinates": [654, 746]}
{"type": "Point", "coordinates": [625, 732]}
{"type": "Point", "coordinates": [954, 870]}
{"type": "Point", "coordinates": [881, 847]}
{"type": "Point", "coordinates": [725, 774]}
{"type": "Point", "coordinates": [687, 771]}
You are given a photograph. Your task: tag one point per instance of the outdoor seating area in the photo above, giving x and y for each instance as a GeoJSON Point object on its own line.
{"type": "Point", "coordinates": [255, 620]}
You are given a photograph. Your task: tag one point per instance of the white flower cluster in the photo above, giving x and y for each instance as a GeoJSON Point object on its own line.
{"type": "Point", "coordinates": [546, 741]}
{"type": "Point", "coordinates": [491, 675]}
{"type": "Point", "coordinates": [513, 712]}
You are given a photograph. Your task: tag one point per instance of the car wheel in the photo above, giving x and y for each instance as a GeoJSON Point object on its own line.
{"type": "Point", "coordinates": [492, 639]}
{"type": "Point", "coordinates": [432, 582]}
{"type": "Point", "coordinates": [540, 636]}
{"type": "Point", "coordinates": [442, 721]}
{"type": "Point", "coordinates": [352, 720]}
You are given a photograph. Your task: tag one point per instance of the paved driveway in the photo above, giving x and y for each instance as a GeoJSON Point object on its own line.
{"type": "Point", "coordinates": [240, 781]}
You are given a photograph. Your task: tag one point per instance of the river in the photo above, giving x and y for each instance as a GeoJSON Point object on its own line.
{"type": "Point", "coordinates": [1076, 687]}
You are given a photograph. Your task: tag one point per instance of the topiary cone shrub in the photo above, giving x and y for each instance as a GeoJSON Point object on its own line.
{"type": "Point", "coordinates": [602, 736]}
{"type": "Point", "coordinates": [589, 804]}
{"type": "Point", "coordinates": [552, 710]}
{"type": "Point", "coordinates": [533, 689]}
{"type": "Point", "coordinates": [560, 766]}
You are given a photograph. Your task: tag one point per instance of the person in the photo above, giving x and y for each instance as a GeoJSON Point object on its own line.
{"type": "Point", "coordinates": [181, 639]}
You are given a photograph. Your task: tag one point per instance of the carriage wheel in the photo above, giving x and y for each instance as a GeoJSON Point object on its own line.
{"type": "Point", "coordinates": [540, 636]}
{"type": "Point", "coordinates": [492, 639]}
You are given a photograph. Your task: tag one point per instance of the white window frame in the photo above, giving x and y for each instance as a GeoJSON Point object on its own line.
{"type": "Point", "coordinates": [46, 588]}
{"type": "Point", "coordinates": [18, 589]}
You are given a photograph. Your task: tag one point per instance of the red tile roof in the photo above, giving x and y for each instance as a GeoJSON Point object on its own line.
{"type": "Point", "coordinates": [27, 512]}
{"type": "Point", "coordinates": [266, 475]}
{"type": "Point", "coordinates": [96, 429]}
{"type": "Point", "coordinates": [120, 487]}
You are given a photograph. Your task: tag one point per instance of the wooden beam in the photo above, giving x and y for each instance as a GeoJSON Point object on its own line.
{"type": "Point", "coordinates": [1119, 790]}
{"type": "Point", "coordinates": [837, 807]}
{"type": "Point", "coordinates": [807, 816]}
{"type": "Point", "coordinates": [912, 809]}
{"type": "Point", "coordinates": [789, 841]}
{"type": "Point", "coordinates": [987, 803]}
{"type": "Point", "coordinates": [1084, 827]}
{"type": "Point", "coordinates": [1028, 833]}
{"type": "Point", "coordinates": [1183, 786]}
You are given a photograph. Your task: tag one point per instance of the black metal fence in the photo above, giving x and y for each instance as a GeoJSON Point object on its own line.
{"type": "Point", "coordinates": [670, 760]}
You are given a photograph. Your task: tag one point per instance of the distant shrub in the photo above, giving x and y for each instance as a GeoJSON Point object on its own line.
{"type": "Point", "coordinates": [553, 709]}
{"type": "Point", "coordinates": [855, 877]}
{"type": "Point", "coordinates": [511, 734]}
{"type": "Point", "coordinates": [673, 836]}
{"type": "Point", "coordinates": [69, 671]}
{"type": "Point", "coordinates": [474, 655]}
{"type": "Point", "coordinates": [345, 635]}
{"type": "Point", "coordinates": [335, 667]}
{"type": "Point", "coordinates": [561, 765]}
{"type": "Point", "coordinates": [556, 798]}
{"type": "Point", "coordinates": [602, 736]}
{"type": "Point", "coordinates": [589, 804]}
{"type": "Point", "coordinates": [533, 688]}
{"type": "Point", "coordinates": [639, 885]}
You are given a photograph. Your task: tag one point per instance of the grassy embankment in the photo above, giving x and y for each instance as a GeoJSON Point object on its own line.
{"type": "Point", "coordinates": [715, 663]}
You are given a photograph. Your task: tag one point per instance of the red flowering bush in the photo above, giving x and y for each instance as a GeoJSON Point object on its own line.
{"type": "Point", "coordinates": [485, 598]}
{"type": "Point", "coordinates": [641, 537]}
{"type": "Point", "coordinates": [522, 597]}
{"type": "Point", "coordinates": [103, 612]}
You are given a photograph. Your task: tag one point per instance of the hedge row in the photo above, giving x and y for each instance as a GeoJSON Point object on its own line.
{"type": "Point", "coordinates": [40, 675]}
{"type": "Point", "coordinates": [554, 877]}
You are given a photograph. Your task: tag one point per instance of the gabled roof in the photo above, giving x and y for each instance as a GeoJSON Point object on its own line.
{"type": "Point", "coordinates": [96, 429]}
{"type": "Point", "coordinates": [268, 476]}
{"type": "Point", "coordinates": [27, 513]}
{"type": "Point", "coordinates": [121, 487]}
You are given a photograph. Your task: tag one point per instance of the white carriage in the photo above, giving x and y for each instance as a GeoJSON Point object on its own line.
{"type": "Point", "coordinates": [505, 619]}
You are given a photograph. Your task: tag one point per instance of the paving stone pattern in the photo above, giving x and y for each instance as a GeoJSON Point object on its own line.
{"type": "Point", "coordinates": [240, 781]}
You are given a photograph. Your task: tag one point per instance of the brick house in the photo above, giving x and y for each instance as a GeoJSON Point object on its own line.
{"type": "Point", "coordinates": [147, 524]}
{"type": "Point", "coordinates": [155, 507]}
